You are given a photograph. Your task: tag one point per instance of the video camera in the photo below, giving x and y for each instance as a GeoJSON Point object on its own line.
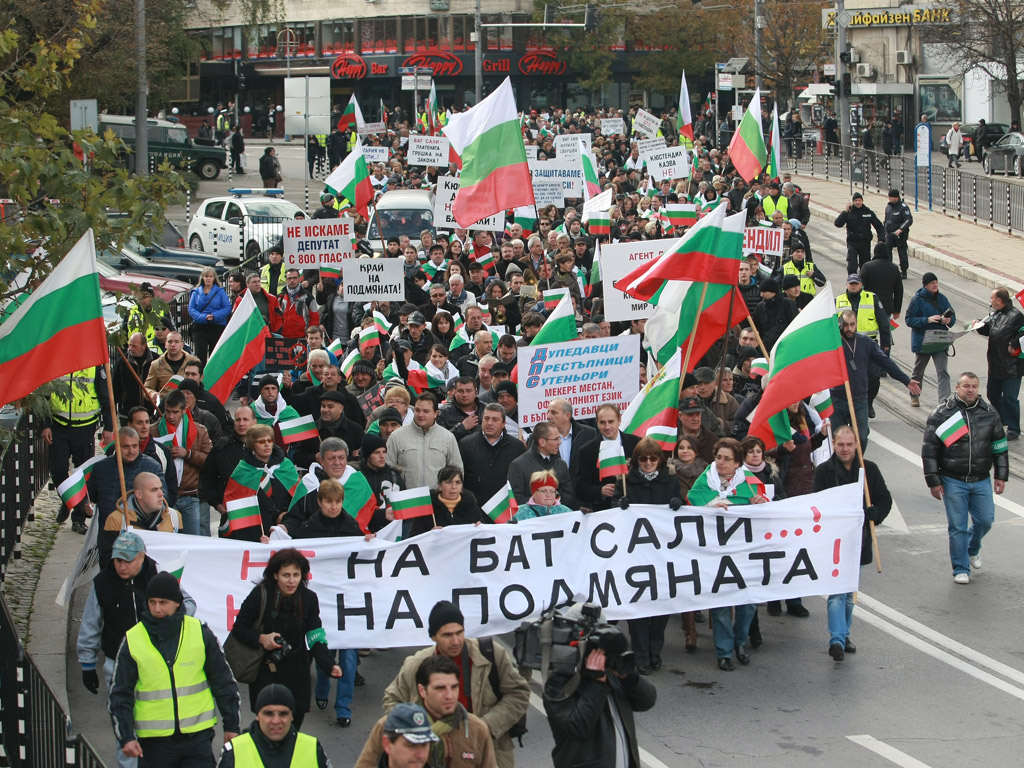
{"type": "Point", "coordinates": [566, 639]}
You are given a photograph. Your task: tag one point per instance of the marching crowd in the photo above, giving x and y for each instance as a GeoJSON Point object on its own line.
{"type": "Point", "coordinates": [431, 401]}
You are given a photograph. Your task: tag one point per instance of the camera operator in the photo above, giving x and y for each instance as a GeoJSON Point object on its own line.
{"type": "Point", "coordinates": [591, 712]}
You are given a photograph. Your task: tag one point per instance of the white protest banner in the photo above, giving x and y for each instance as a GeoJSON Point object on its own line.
{"type": "Point", "coordinates": [567, 145]}
{"type": "Point", "coordinates": [644, 561]}
{"type": "Point", "coordinates": [548, 192]}
{"type": "Point", "coordinates": [375, 154]}
{"type": "Point", "coordinates": [646, 124]}
{"type": "Point", "coordinates": [617, 261]}
{"type": "Point", "coordinates": [646, 146]}
{"type": "Point", "coordinates": [767, 240]}
{"type": "Point", "coordinates": [312, 243]}
{"type": "Point", "coordinates": [444, 196]}
{"type": "Point", "coordinates": [374, 280]}
{"type": "Point", "coordinates": [368, 128]}
{"type": "Point", "coordinates": [428, 150]}
{"type": "Point", "coordinates": [586, 373]}
{"type": "Point", "coordinates": [669, 163]}
{"type": "Point", "coordinates": [531, 153]}
{"type": "Point", "coordinates": [597, 204]}
{"type": "Point", "coordinates": [612, 126]}
{"type": "Point", "coordinates": [570, 173]}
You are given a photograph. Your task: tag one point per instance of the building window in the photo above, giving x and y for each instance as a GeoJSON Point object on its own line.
{"type": "Point", "coordinates": [939, 101]}
{"type": "Point", "coordinates": [378, 36]}
{"type": "Point", "coordinates": [226, 44]}
{"type": "Point", "coordinates": [263, 42]}
{"type": "Point", "coordinates": [338, 37]}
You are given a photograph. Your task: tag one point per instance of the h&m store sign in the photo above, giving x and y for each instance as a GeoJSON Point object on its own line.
{"type": "Point", "coordinates": [540, 63]}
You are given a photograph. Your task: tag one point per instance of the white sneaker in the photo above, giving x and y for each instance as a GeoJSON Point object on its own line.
{"type": "Point", "coordinates": [976, 562]}
{"type": "Point", "coordinates": [962, 578]}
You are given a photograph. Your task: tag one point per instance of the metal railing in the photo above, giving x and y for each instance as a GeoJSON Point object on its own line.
{"type": "Point", "coordinates": [24, 470]}
{"type": "Point", "coordinates": [997, 202]}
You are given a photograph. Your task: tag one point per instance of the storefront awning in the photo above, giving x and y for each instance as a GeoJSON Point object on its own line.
{"type": "Point", "coordinates": [282, 71]}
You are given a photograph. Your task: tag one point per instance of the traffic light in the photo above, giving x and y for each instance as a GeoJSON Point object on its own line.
{"type": "Point", "coordinates": [241, 82]}
{"type": "Point", "coordinates": [590, 18]}
{"type": "Point", "coordinates": [847, 84]}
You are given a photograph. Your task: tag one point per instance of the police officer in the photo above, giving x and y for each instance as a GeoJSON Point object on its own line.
{"type": "Point", "coordinates": [898, 219]}
{"type": "Point", "coordinates": [272, 740]}
{"type": "Point", "coordinates": [872, 321]}
{"type": "Point", "coordinates": [858, 220]}
{"type": "Point", "coordinates": [810, 277]}
{"type": "Point", "coordinates": [144, 318]}
{"type": "Point", "coordinates": [70, 430]}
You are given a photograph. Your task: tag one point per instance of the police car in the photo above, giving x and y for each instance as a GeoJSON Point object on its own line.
{"type": "Point", "coordinates": [256, 216]}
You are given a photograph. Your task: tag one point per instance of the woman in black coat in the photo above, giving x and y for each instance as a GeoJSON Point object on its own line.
{"type": "Point", "coordinates": [453, 505]}
{"type": "Point", "coordinates": [291, 620]}
{"type": "Point", "coordinates": [261, 452]}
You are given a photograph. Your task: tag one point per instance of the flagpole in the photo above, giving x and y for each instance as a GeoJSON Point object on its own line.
{"type": "Point", "coordinates": [860, 458]}
{"type": "Point", "coordinates": [380, 231]}
{"type": "Point", "coordinates": [136, 377]}
{"type": "Point", "coordinates": [693, 335]}
{"type": "Point", "coordinates": [725, 348]}
{"type": "Point", "coordinates": [117, 442]}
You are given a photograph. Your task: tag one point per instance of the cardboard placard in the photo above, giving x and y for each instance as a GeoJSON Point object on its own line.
{"type": "Point", "coordinates": [548, 192]}
{"type": "Point", "coordinates": [567, 145]}
{"type": "Point", "coordinates": [444, 197]}
{"type": "Point", "coordinates": [428, 150]}
{"type": "Point", "coordinates": [766, 240]}
{"type": "Point", "coordinates": [312, 243]}
{"type": "Point", "coordinates": [285, 354]}
{"type": "Point", "coordinates": [375, 154]}
{"type": "Point", "coordinates": [646, 124]}
{"type": "Point", "coordinates": [646, 146]}
{"type": "Point", "coordinates": [570, 173]}
{"type": "Point", "coordinates": [369, 128]}
{"type": "Point", "coordinates": [371, 400]}
{"type": "Point", "coordinates": [597, 204]}
{"type": "Point", "coordinates": [617, 261]}
{"type": "Point", "coordinates": [613, 126]}
{"type": "Point", "coordinates": [669, 163]}
{"type": "Point", "coordinates": [374, 280]}
{"type": "Point", "coordinates": [531, 152]}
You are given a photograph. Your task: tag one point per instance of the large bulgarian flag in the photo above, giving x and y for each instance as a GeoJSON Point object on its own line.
{"type": "Point", "coordinates": [684, 120]}
{"type": "Point", "coordinates": [680, 215]}
{"type": "Point", "coordinates": [709, 252]}
{"type": "Point", "coordinates": [654, 412]}
{"type": "Point", "coordinates": [774, 146]}
{"type": "Point", "coordinates": [675, 318]}
{"type": "Point", "coordinates": [58, 329]}
{"type": "Point", "coordinates": [747, 150]}
{"type": "Point", "coordinates": [807, 358]}
{"type": "Point", "coordinates": [495, 175]}
{"type": "Point", "coordinates": [352, 179]}
{"type": "Point", "coordinates": [560, 325]}
{"type": "Point", "coordinates": [241, 346]}
{"type": "Point", "coordinates": [591, 184]}
{"type": "Point", "coordinates": [352, 117]}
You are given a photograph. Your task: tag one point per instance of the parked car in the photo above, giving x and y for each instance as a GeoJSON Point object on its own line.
{"type": "Point", "coordinates": [1006, 155]}
{"type": "Point", "coordinates": [217, 226]}
{"type": "Point", "coordinates": [160, 253]}
{"type": "Point", "coordinates": [170, 237]}
{"type": "Point", "coordinates": [402, 212]}
{"type": "Point", "coordinates": [169, 141]}
{"type": "Point", "coordinates": [127, 259]}
{"type": "Point", "coordinates": [968, 130]}
{"type": "Point", "coordinates": [112, 279]}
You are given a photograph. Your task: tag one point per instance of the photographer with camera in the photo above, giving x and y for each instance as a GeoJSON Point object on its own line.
{"type": "Point", "coordinates": [590, 705]}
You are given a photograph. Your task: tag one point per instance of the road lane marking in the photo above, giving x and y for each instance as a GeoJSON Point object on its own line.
{"type": "Point", "coordinates": [891, 754]}
{"type": "Point", "coordinates": [895, 520]}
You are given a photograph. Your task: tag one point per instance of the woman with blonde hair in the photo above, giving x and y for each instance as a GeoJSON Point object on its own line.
{"type": "Point", "coordinates": [544, 498]}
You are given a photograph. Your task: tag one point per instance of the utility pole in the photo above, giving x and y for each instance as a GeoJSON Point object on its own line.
{"type": "Point", "coordinates": [141, 92]}
{"type": "Point", "coordinates": [842, 100]}
{"type": "Point", "coordinates": [478, 55]}
{"type": "Point", "coordinates": [758, 44]}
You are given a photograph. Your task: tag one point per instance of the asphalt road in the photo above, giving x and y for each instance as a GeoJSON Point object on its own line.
{"type": "Point", "coordinates": [938, 678]}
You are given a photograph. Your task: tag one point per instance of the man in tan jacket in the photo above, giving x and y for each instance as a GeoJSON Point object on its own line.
{"type": "Point", "coordinates": [171, 362]}
{"type": "Point", "coordinates": [446, 628]}
{"type": "Point", "coordinates": [145, 508]}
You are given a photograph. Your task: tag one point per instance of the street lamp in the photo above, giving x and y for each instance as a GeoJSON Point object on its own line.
{"type": "Point", "coordinates": [141, 92]}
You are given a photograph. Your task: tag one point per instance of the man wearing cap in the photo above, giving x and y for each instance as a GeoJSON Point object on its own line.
{"type": "Point", "coordinates": [775, 201]}
{"type": "Point", "coordinates": [272, 739]}
{"type": "Point", "coordinates": [882, 278]}
{"type": "Point", "coordinates": [691, 412]}
{"type": "Point", "coordinates": [465, 740]}
{"type": "Point", "coordinates": [405, 739]}
{"type": "Point", "coordinates": [168, 364]}
{"type": "Point", "coordinates": [774, 314]}
{"type": "Point", "coordinates": [326, 209]}
{"type": "Point", "coordinates": [191, 389]}
{"type": "Point", "coordinates": [332, 423]}
{"type": "Point", "coordinates": [170, 677]}
{"type": "Point", "coordinates": [859, 221]}
{"type": "Point", "coordinates": [898, 219]}
{"type": "Point", "coordinates": [495, 691]}
{"type": "Point", "coordinates": [270, 407]}
{"type": "Point", "coordinates": [872, 321]}
{"type": "Point", "coordinates": [929, 310]}
{"type": "Point", "coordinates": [382, 477]}
{"type": "Point", "coordinates": [308, 403]}
{"type": "Point", "coordinates": [419, 338]}
{"type": "Point", "coordinates": [143, 317]}
{"type": "Point", "coordinates": [115, 602]}
{"type": "Point", "coordinates": [272, 273]}
{"type": "Point", "coordinates": [488, 452]}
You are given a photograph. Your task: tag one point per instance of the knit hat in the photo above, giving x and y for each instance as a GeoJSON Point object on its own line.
{"type": "Point", "coordinates": [269, 379]}
{"type": "Point", "coordinates": [275, 694]}
{"type": "Point", "coordinates": [443, 613]}
{"type": "Point", "coordinates": [790, 281]}
{"type": "Point", "coordinates": [769, 285]}
{"type": "Point", "coordinates": [857, 196]}
{"type": "Point", "coordinates": [371, 443]}
{"type": "Point", "coordinates": [928, 277]}
{"type": "Point", "coordinates": [164, 586]}
{"type": "Point", "coordinates": [509, 387]}
{"type": "Point", "coordinates": [389, 414]}
{"type": "Point", "coordinates": [190, 385]}
{"type": "Point", "coordinates": [362, 366]}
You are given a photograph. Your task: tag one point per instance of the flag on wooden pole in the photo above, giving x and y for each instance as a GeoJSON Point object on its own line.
{"type": "Point", "coordinates": [241, 346]}
{"type": "Point", "coordinates": [747, 150]}
{"type": "Point", "coordinates": [611, 460]}
{"type": "Point", "coordinates": [414, 502]}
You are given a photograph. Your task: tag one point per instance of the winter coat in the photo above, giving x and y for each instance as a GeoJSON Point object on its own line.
{"type": "Point", "coordinates": [586, 482]}
{"type": "Point", "coordinates": [883, 279]}
{"type": "Point", "coordinates": [201, 304]}
{"type": "Point", "coordinates": [104, 487]}
{"type": "Point", "coordinates": [686, 474]}
{"type": "Point", "coordinates": [466, 512]}
{"type": "Point", "coordinates": [859, 223]}
{"type": "Point", "coordinates": [832, 473]}
{"type": "Point", "coordinates": [213, 477]}
{"type": "Point", "coordinates": [772, 316]}
{"type": "Point", "coordinates": [531, 461]}
{"type": "Point", "coordinates": [659, 490]}
{"type": "Point", "coordinates": [897, 216]}
{"type": "Point", "coordinates": [272, 505]}
{"type": "Point", "coordinates": [1003, 329]}
{"type": "Point", "coordinates": [973, 456]}
{"type": "Point", "coordinates": [487, 466]}
{"type": "Point", "coordinates": [922, 306]}
{"type": "Point", "coordinates": [420, 454]}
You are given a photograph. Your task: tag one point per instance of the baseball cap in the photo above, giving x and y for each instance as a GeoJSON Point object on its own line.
{"type": "Point", "coordinates": [690, 405]}
{"type": "Point", "coordinates": [127, 546]}
{"type": "Point", "coordinates": [410, 721]}
{"type": "Point", "coordinates": [416, 318]}
{"type": "Point", "coordinates": [854, 278]}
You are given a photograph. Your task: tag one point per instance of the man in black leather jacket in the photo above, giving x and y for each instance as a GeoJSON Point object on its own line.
{"type": "Point", "coordinates": [1003, 327]}
{"type": "Point", "coordinates": [963, 442]}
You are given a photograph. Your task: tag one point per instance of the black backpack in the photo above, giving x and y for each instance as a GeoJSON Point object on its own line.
{"type": "Point", "coordinates": [518, 730]}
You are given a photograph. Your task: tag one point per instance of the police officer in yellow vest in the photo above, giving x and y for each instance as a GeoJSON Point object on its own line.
{"type": "Point", "coordinates": [775, 201]}
{"type": "Point", "coordinates": [272, 740]}
{"type": "Point", "coordinates": [70, 430]}
{"type": "Point", "coordinates": [811, 278]}
{"type": "Point", "coordinates": [170, 678]}
{"type": "Point", "coordinates": [144, 318]}
{"type": "Point", "coordinates": [873, 321]}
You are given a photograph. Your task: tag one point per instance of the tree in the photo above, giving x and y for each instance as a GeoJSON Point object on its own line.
{"type": "Point", "coordinates": [792, 44]}
{"type": "Point", "coordinates": [987, 35]}
{"type": "Point", "coordinates": [682, 40]}
{"type": "Point", "coordinates": [589, 55]}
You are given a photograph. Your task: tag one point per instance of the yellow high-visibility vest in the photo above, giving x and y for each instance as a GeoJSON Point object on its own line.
{"type": "Point", "coordinates": [867, 322]}
{"type": "Point", "coordinates": [84, 406]}
{"type": "Point", "coordinates": [247, 756]}
{"type": "Point", "coordinates": [806, 282]}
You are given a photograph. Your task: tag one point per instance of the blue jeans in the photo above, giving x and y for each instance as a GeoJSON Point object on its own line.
{"type": "Point", "coordinates": [840, 615]}
{"type": "Point", "coordinates": [729, 632]}
{"type": "Point", "coordinates": [188, 506]}
{"type": "Point", "coordinates": [1003, 394]}
{"type": "Point", "coordinates": [204, 518]}
{"type": "Point", "coordinates": [348, 660]}
{"type": "Point", "coordinates": [841, 416]}
{"type": "Point", "coordinates": [962, 499]}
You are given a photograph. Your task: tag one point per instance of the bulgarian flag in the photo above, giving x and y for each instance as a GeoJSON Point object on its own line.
{"type": "Point", "coordinates": [241, 346]}
{"type": "Point", "coordinates": [422, 379]}
{"type": "Point", "coordinates": [747, 150]}
{"type": "Point", "coordinates": [336, 347]}
{"type": "Point", "coordinates": [432, 270]}
{"type": "Point", "coordinates": [676, 318]}
{"type": "Point", "coordinates": [173, 383]}
{"type": "Point", "coordinates": [595, 272]}
{"type": "Point", "coordinates": [775, 431]}
{"type": "Point", "coordinates": [560, 325]}
{"type": "Point", "coordinates": [458, 322]}
{"type": "Point", "coordinates": [501, 507]}
{"type": "Point", "coordinates": [654, 412]}
{"type": "Point", "coordinates": [57, 329]}
{"type": "Point", "coordinates": [72, 491]}
{"type": "Point", "coordinates": [600, 223]}
{"type": "Point", "coordinates": [526, 217]}
{"type": "Point", "coordinates": [591, 184]}
{"type": "Point", "coordinates": [380, 322]}
{"type": "Point", "coordinates": [348, 362]}
{"type": "Point", "coordinates": [807, 358]}
{"type": "Point", "coordinates": [680, 214]}
{"type": "Point", "coordinates": [183, 436]}
{"type": "Point", "coordinates": [245, 480]}
{"type": "Point", "coordinates": [352, 117]}
{"type": "Point", "coordinates": [710, 251]}
{"type": "Point", "coordinates": [774, 146]}
{"type": "Point", "coordinates": [702, 494]}
{"type": "Point", "coordinates": [460, 339]}
{"type": "Point", "coordinates": [176, 567]}
{"type": "Point", "coordinates": [359, 502]}
{"type": "Point", "coordinates": [368, 337]}
{"type": "Point", "coordinates": [433, 124]}
{"type": "Point", "coordinates": [486, 259]}
{"type": "Point", "coordinates": [611, 460]}
{"type": "Point", "coordinates": [684, 120]}
{"type": "Point", "coordinates": [243, 513]}
{"type": "Point", "coordinates": [952, 429]}
{"type": "Point", "coordinates": [553, 296]}
{"type": "Point", "coordinates": [309, 483]}
{"type": "Point", "coordinates": [414, 502]}
{"type": "Point", "coordinates": [822, 403]}
{"type": "Point", "coordinates": [759, 367]}
{"type": "Point", "coordinates": [296, 430]}
{"type": "Point", "coordinates": [495, 175]}
{"type": "Point", "coordinates": [330, 271]}
{"type": "Point", "coordinates": [352, 180]}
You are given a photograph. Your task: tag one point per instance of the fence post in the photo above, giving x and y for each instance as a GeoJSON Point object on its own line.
{"type": "Point", "coordinates": [974, 196]}
{"type": "Point", "coordinates": [1009, 209]}
{"type": "Point", "coordinates": [188, 205]}
{"type": "Point", "coordinates": [22, 706]}
{"type": "Point", "coordinates": [991, 203]}
{"type": "Point", "coordinates": [70, 745]}
{"type": "Point", "coordinates": [241, 243]}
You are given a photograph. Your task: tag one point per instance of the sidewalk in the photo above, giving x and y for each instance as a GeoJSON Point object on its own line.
{"type": "Point", "coordinates": [973, 251]}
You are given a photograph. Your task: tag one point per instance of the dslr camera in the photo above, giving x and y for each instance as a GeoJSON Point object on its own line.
{"type": "Point", "coordinates": [566, 639]}
{"type": "Point", "coordinates": [278, 655]}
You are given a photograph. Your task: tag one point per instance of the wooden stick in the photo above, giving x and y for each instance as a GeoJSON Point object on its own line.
{"type": "Point", "coordinates": [693, 335]}
{"type": "Point", "coordinates": [136, 377]}
{"type": "Point", "coordinates": [725, 351]}
{"type": "Point", "coordinates": [380, 231]}
{"type": "Point", "coordinates": [759, 342]}
{"type": "Point", "coordinates": [860, 458]}
{"type": "Point", "coordinates": [117, 442]}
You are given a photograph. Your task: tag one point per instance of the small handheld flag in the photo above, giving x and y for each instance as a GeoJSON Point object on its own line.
{"type": "Point", "coordinates": [501, 507]}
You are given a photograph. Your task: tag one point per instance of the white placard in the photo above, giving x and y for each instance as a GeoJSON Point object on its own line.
{"type": "Point", "coordinates": [613, 126]}
{"type": "Point", "coordinates": [428, 150]}
{"type": "Point", "coordinates": [737, 113]}
{"type": "Point", "coordinates": [669, 163]}
{"type": "Point", "coordinates": [923, 145]}
{"type": "Point", "coordinates": [646, 124]}
{"type": "Point", "coordinates": [444, 197]}
{"type": "Point", "coordinates": [597, 204]}
{"type": "Point", "coordinates": [646, 146]}
{"type": "Point", "coordinates": [369, 128]}
{"type": "Point", "coordinates": [375, 154]}
{"type": "Point", "coordinates": [531, 152]}
{"type": "Point", "coordinates": [314, 243]}
{"type": "Point", "coordinates": [617, 261]}
{"type": "Point", "coordinates": [374, 280]}
{"type": "Point", "coordinates": [570, 173]}
{"type": "Point", "coordinates": [548, 192]}
{"type": "Point", "coordinates": [766, 240]}
{"type": "Point", "coordinates": [567, 145]}
{"type": "Point", "coordinates": [586, 373]}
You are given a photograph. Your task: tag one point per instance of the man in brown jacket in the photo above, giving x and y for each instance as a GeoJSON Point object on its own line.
{"type": "Point", "coordinates": [446, 628]}
{"type": "Point", "coordinates": [190, 444]}
{"type": "Point", "coordinates": [168, 364]}
{"type": "Point", "coordinates": [465, 740]}
{"type": "Point", "coordinates": [145, 508]}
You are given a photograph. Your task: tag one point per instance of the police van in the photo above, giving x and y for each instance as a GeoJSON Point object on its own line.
{"type": "Point", "coordinates": [169, 141]}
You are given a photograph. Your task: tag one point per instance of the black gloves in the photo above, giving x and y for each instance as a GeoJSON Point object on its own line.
{"type": "Point", "coordinates": [623, 503]}
{"type": "Point", "coordinates": [871, 514]}
{"type": "Point", "coordinates": [675, 503]}
{"type": "Point", "coordinates": [91, 681]}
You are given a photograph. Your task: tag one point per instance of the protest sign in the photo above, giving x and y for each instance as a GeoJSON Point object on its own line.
{"type": "Point", "coordinates": [611, 126]}
{"type": "Point", "coordinates": [597, 204]}
{"type": "Point", "coordinates": [586, 373]}
{"type": "Point", "coordinates": [284, 354]}
{"type": "Point", "coordinates": [570, 173]}
{"type": "Point", "coordinates": [644, 561]}
{"type": "Point", "coordinates": [444, 196]}
{"type": "Point", "coordinates": [646, 146]}
{"type": "Point", "coordinates": [617, 261]}
{"type": "Point", "coordinates": [646, 124]}
{"type": "Point", "coordinates": [375, 154]}
{"type": "Point", "coordinates": [428, 150]}
{"type": "Point", "coordinates": [368, 128]}
{"type": "Point", "coordinates": [567, 145]}
{"type": "Point", "coordinates": [548, 192]}
{"type": "Point", "coordinates": [531, 153]}
{"type": "Point", "coordinates": [669, 163]}
{"type": "Point", "coordinates": [312, 243]}
{"type": "Point", "coordinates": [766, 240]}
{"type": "Point", "coordinates": [374, 280]}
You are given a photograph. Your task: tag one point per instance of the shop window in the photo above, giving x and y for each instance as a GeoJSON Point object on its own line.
{"type": "Point", "coordinates": [378, 36]}
{"type": "Point", "coordinates": [338, 37]}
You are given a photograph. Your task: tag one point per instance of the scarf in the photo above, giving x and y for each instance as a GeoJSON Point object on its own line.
{"type": "Point", "coordinates": [439, 749]}
{"type": "Point", "coordinates": [451, 504]}
{"type": "Point", "coordinates": [756, 468]}
{"type": "Point", "coordinates": [648, 476]}
{"type": "Point", "coordinates": [709, 487]}
{"type": "Point", "coordinates": [282, 411]}
{"type": "Point", "coordinates": [184, 436]}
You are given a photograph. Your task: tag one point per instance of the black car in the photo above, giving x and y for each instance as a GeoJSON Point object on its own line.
{"type": "Point", "coordinates": [969, 132]}
{"type": "Point", "coordinates": [1006, 155]}
{"type": "Point", "coordinates": [162, 253]}
{"type": "Point", "coordinates": [126, 260]}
